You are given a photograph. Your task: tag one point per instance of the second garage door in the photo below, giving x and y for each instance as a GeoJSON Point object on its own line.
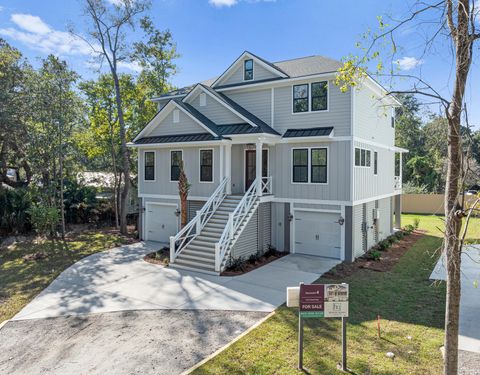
{"type": "Point", "coordinates": [317, 233]}
{"type": "Point", "coordinates": [160, 222]}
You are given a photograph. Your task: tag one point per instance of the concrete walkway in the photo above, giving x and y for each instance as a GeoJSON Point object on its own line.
{"type": "Point", "coordinates": [469, 336]}
{"type": "Point", "coordinates": [119, 280]}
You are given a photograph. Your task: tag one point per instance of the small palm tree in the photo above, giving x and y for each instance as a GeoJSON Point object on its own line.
{"type": "Point", "coordinates": [183, 189]}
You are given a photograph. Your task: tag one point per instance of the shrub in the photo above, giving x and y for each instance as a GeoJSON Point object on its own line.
{"type": "Point", "coordinates": [409, 228]}
{"type": "Point", "coordinates": [383, 245]}
{"type": "Point", "coordinates": [236, 264]}
{"type": "Point", "coordinates": [391, 240]}
{"type": "Point", "coordinates": [44, 219]}
{"type": "Point", "coordinates": [14, 206]}
{"type": "Point", "coordinates": [374, 255]}
{"type": "Point", "coordinates": [416, 223]}
{"type": "Point", "coordinates": [399, 235]}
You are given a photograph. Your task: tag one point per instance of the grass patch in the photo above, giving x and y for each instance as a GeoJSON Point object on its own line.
{"type": "Point", "coordinates": [409, 306]}
{"type": "Point", "coordinates": [21, 280]}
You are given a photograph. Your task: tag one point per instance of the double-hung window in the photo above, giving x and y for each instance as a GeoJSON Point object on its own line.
{"type": "Point", "coordinates": [318, 165]}
{"type": "Point", "coordinates": [175, 161]}
{"type": "Point", "coordinates": [248, 70]}
{"type": "Point", "coordinates": [149, 164]}
{"type": "Point", "coordinates": [300, 98]}
{"type": "Point", "coordinates": [300, 165]}
{"type": "Point", "coordinates": [309, 165]}
{"type": "Point", "coordinates": [319, 96]}
{"type": "Point", "coordinates": [363, 157]}
{"type": "Point", "coordinates": [206, 165]}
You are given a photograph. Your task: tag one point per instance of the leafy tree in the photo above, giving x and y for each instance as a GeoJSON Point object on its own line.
{"type": "Point", "coordinates": [423, 173]}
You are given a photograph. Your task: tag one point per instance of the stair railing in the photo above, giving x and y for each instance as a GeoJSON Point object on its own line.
{"type": "Point", "coordinates": [235, 219]}
{"type": "Point", "coordinates": [195, 226]}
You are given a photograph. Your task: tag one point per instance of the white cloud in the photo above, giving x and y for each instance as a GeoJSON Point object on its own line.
{"type": "Point", "coordinates": [30, 23]}
{"type": "Point", "coordinates": [37, 35]}
{"type": "Point", "coordinates": [408, 63]}
{"type": "Point", "coordinates": [222, 3]}
{"type": "Point", "coordinates": [229, 3]}
{"type": "Point", "coordinates": [133, 66]}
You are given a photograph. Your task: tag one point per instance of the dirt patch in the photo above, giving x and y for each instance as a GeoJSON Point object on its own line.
{"type": "Point", "coordinates": [388, 259]}
{"type": "Point", "coordinates": [250, 265]}
{"type": "Point", "coordinates": [35, 256]}
{"type": "Point", "coordinates": [161, 257]}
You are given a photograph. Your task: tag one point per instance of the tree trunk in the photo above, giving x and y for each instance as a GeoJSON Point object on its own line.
{"type": "Point", "coordinates": [116, 184]}
{"type": "Point", "coordinates": [125, 156]}
{"type": "Point", "coordinates": [453, 214]}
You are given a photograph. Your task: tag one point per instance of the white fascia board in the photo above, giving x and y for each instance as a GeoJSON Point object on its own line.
{"type": "Point", "coordinates": [253, 138]}
{"type": "Point", "coordinates": [180, 144]}
{"type": "Point", "coordinates": [399, 149]}
{"type": "Point", "coordinates": [319, 138]}
{"type": "Point", "coordinates": [378, 89]}
{"type": "Point", "coordinates": [161, 98]}
{"type": "Point", "coordinates": [245, 54]}
{"type": "Point", "coordinates": [163, 113]}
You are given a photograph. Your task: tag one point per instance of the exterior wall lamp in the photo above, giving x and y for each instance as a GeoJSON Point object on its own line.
{"type": "Point", "coordinates": [290, 217]}
{"type": "Point", "coordinates": [177, 212]}
{"type": "Point", "coordinates": [341, 221]}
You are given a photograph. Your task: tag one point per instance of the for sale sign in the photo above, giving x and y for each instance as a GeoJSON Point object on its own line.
{"type": "Point", "coordinates": [323, 300]}
{"type": "Point", "coordinates": [312, 298]}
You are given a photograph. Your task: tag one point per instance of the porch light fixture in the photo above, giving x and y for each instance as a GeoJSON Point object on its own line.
{"type": "Point", "coordinates": [177, 212]}
{"type": "Point", "coordinates": [341, 221]}
{"type": "Point", "coordinates": [290, 217]}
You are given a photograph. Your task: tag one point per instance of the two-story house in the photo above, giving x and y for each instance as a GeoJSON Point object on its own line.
{"type": "Point", "coordinates": [275, 155]}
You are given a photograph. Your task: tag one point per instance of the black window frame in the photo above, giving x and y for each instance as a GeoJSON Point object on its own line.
{"type": "Point", "coordinates": [313, 97]}
{"type": "Point", "coordinates": [206, 167]}
{"type": "Point", "coordinates": [303, 166]}
{"type": "Point", "coordinates": [357, 157]}
{"type": "Point", "coordinates": [246, 70]}
{"type": "Point", "coordinates": [151, 168]}
{"type": "Point", "coordinates": [368, 158]}
{"type": "Point", "coordinates": [321, 166]}
{"type": "Point", "coordinates": [295, 99]}
{"type": "Point", "coordinates": [175, 169]}
{"type": "Point", "coordinates": [375, 162]}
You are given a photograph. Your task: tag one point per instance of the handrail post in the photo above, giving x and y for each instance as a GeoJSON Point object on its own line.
{"type": "Point", "coordinates": [172, 249]}
{"type": "Point", "coordinates": [198, 223]}
{"type": "Point", "coordinates": [230, 224]}
{"type": "Point", "coordinates": [217, 257]}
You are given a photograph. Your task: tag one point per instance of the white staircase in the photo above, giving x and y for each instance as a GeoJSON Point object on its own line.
{"type": "Point", "coordinates": [199, 254]}
{"type": "Point", "coordinates": [206, 241]}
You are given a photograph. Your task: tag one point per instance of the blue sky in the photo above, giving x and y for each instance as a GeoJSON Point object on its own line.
{"type": "Point", "coordinates": [210, 34]}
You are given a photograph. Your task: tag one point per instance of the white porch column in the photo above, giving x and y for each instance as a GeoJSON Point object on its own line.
{"type": "Point", "coordinates": [220, 169]}
{"type": "Point", "coordinates": [258, 166]}
{"type": "Point", "coordinates": [228, 166]}
{"type": "Point", "coordinates": [401, 170]}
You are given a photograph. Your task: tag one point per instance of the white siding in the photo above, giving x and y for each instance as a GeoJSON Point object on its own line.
{"type": "Point", "coordinates": [368, 185]}
{"type": "Point", "coordinates": [247, 243]}
{"type": "Point", "coordinates": [372, 117]}
{"type": "Point", "coordinates": [384, 206]}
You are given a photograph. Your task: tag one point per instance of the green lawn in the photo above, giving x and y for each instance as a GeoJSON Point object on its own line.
{"type": "Point", "coordinates": [434, 224]}
{"type": "Point", "coordinates": [21, 280]}
{"type": "Point", "coordinates": [412, 318]}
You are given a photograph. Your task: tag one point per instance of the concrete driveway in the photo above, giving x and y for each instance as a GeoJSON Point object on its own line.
{"type": "Point", "coordinates": [113, 313]}
{"type": "Point", "coordinates": [119, 280]}
{"type": "Point", "coordinates": [469, 336]}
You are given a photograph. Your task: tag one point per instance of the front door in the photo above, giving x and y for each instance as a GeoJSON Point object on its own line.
{"type": "Point", "coordinates": [250, 166]}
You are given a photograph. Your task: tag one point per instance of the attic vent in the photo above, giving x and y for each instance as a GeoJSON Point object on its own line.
{"type": "Point", "coordinates": [176, 115]}
{"type": "Point", "coordinates": [203, 99]}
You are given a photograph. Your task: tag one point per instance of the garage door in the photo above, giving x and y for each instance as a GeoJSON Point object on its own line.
{"type": "Point", "coordinates": [317, 233]}
{"type": "Point", "coordinates": [160, 222]}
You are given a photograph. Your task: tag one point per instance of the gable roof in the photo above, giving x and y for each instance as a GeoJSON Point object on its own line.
{"type": "Point", "coordinates": [200, 119]}
{"type": "Point", "coordinates": [265, 64]}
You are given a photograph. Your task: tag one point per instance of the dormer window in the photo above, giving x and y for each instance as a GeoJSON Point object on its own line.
{"type": "Point", "coordinates": [248, 70]}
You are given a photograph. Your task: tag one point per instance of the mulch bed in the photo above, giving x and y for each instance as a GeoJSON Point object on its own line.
{"type": "Point", "coordinates": [387, 261]}
{"type": "Point", "coordinates": [248, 266]}
{"type": "Point", "coordinates": [161, 257]}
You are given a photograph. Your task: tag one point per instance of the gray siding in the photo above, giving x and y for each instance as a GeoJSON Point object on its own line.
{"type": "Point", "coordinates": [368, 185]}
{"type": "Point", "coordinates": [162, 184]}
{"type": "Point", "coordinates": [247, 243]}
{"type": "Point", "coordinates": [193, 206]}
{"type": "Point", "coordinates": [370, 207]}
{"type": "Point", "coordinates": [357, 230]}
{"type": "Point", "coordinates": [384, 229]}
{"type": "Point", "coordinates": [264, 226]}
{"type": "Point", "coordinates": [338, 186]}
{"type": "Point", "coordinates": [186, 125]}
{"type": "Point", "coordinates": [215, 111]}
{"type": "Point", "coordinates": [372, 117]}
{"type": "Point", "coordinates": [338, 114]}
{"type": "Point", "coordinates": [259, 73]}
{"type": "Point", "coordinates": [278, 225]}
{"type": "Point", "coordinates": [258, 102]}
